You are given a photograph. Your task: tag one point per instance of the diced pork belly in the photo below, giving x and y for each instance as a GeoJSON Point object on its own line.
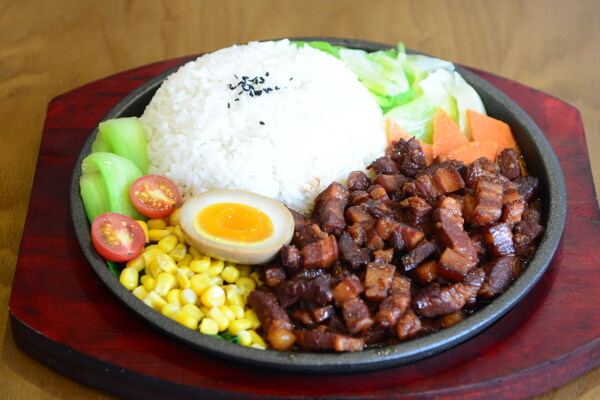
{"type": "Point", "coordinates": [409, 326]}
{"type": "Point", "coordinates": [348, 288]}
{"type": "Point", "coordinates": [408, 155]}
{"type": "Point", "coordinates": [418, 211]}
{"type": "Point", "coordinates": [483, 169]}
{"type": "Point", "coordinates": [453, 266]}
{"type": "Point", "coordinates": [272, 316]}
{"type": "Point", "coordinates": [509, 163]}
{"type": "Point", "coordinates": [435, 300]}
{"type": "Point", "coordinates": [359, 215]}
{"type": "Point", "coordinates": [350, 253]}
{"type": "Point", "coordinates": [383, 256]}
{"type": "Point", "coordinates": [499, 273]}
{"type": "Point", "coordinates": [356, 315]}
{"type": "Point", "coordinates": [377, 192]}
{"type": "Point", "coordinates": [273, 275]}
{"type": "Point", "coordinates": [488, 203]}
{"type": "Point", "coordinates": [378, 277]}
{"type": "Point", "coordinates": [426, 272]}
{"type": "Point", "coordinates": [358, 197]}
{"type": "Point", "coordinates": [406, 237]}
{"type": "Point", "coordinates": [525, 237]}
{"type": "Point", "coordinates": [385, 226]}
{"type": "Point", "coordinates": [358, 180]}
{"type": "Point", "coordinates": [308, 234]}
{"type": "Point", "coordinates": [473, 280]}
{"type": "Point", "coordinates": [384, 165]}
{"type": "Point", "coordinates": [391, 183]}
{"type": "Point", "coordinates": [373, 241]}
{"type": "Point", "coordinates": [527, 186]}
{"type": "Point", "coordinates": [317, 290]}
{"type": "Point", "coordinates": [300, 220]}
{"type": "Point", "coordinates": [329, 208]}
{"type": "Point", "coordinates": [321, 340]}
{"type": "Point", "coordinates": [320, 314]}
{"type": "Point", "coordinates": [513, 206]}
{"type": "Point", "coordinates": [416, 256]}
{"type": "Point", "coordinates": [290, 258]}
{"type": "Point", "coordinates": [358, 233]}
{"type": "Point", "coordinates": [452, 319]}
{"type": "Point", "coordinates": [435, 181]}
{"type": "Point", "coordinates": [320, 254]}
{"type": "Point", "coordinates": [450, 232]}
{"type": "Point", "coordinates": [391, 309]}
{"type": "Point", "coordinates": [381, 208]}
{"type": "Point", "coordinates": [499, 239]}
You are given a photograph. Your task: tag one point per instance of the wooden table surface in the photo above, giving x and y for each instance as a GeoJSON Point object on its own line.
{"type": "Point", "coordinates": [48, 47]}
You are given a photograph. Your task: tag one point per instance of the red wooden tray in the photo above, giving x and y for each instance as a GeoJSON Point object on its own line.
{"type": "Point", "coordinates": [63, 316]}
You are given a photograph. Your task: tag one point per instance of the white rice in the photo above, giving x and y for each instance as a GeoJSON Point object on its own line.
{"type": "Point", "coordinates": [317, 124]}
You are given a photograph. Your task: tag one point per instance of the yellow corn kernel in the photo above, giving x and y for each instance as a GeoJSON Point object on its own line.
{"type": "Point", "coordinates": [256, 276]}
{"type": "Point", "coordinates": [165, 262]}
{"type": "Point", "coordinates": [216, 267]}
{"type": "Point", "coordinates": [217, 280]}
{"type": "Point", "coordinates": [258, 346]}
{"type": "Point", "coordinates": [182, 278]}
{"type": "Point", "coordinates": [148, 282]}
{"type": "Point", "coordinates": [238, 310]}
{"type": "Point", "coordinates": [186, 319]}
{"type": "Point", "coordinates": [150, 253]}
{"type": "Point", "coordinates": [236, 300]}
{"type": "Point", "coordinates": [185, 261]}
{"type": "Point", "coordinates": [174, 217]}
{"type": "Point", "coordinates": [138, 263]}
{"type": "Point", "coordinates": [144, 226]}
{"type": "Point", "coordinates": [153, 269]}
{"type": "Point", "coordinates": [174, 297]}
{"type": "Point", "coordinates": [193, 310]}
{"type": "Point", "coordinates": [156, 235]}
{"type": "Point", "coordinates": [251, 315]}
{"type": "Point", "coordinates": [239, 325]}
{"type": "Point", "coordinates": [244, 269]}
{"type": "Point", "coordinates": [157, 223]}
{"type": "Point", "coordinates": [228, 312]}
{"type": "Point", "coordinates": [155, 301]}
{"type": "Point", "coordinates": [179, 252]}
{"type": "Point", "coordinates": [200, 282]}
{"type": "Point", "coordinates": [200, 264]}
{"type": "Point", "coordinates": [203, 308]}
{"type": "Point", "coordinates": [256, 339]}
{"type": "Point", "coordinates": [140, 292]}
{"type": "Point", "coordinates": [169, 309]}
{"type": "Point", "coordinates": [164, 282]}
{"type": "Point", "coordinates": [168, 243]}
{"type": "Point", "coordinates": [245, 285]}
{"type": "Point", "coordinates": [230, 274]}
{"type": "Point", "coordinates": [244, 337]}
{"type": "Point", "coordinates": [195, 252]}
{"type": "Point", "coordinates": [178, 232]}
{"type": "Point", "coordinates": [214, 296]}
{"type": "Point", "coordinates": [209, 326]}
{"type": "Point", "coordinates": [217, 315]}
{"type": "Point", "coordinates": [188, 296]}
{"type": "Point", "coordinates": [129, 278]}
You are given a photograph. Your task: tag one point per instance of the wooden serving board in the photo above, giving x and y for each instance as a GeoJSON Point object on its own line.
{"type": "Point", "coordinates": [62, 315]}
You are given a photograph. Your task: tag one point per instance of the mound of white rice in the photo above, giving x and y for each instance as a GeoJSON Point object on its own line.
{"type": "Point", "coordinates": [265, 117]}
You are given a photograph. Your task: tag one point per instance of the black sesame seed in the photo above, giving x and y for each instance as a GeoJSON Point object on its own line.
{"type": "Point", "coordinates": [261, 122]}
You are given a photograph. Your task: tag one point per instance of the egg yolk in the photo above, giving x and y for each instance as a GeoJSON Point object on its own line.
{"type": "Point", "coordinates": [235, 222]}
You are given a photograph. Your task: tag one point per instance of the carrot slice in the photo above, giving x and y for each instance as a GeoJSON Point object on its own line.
{"type": "Point", "coordinates": [446, 133]}
{"type": "Point", "coordinates": [471, 151]}
{"type": "Point", "coordinates": [485, 128]}
{"type": "Point", "coordinates": [395, 132]}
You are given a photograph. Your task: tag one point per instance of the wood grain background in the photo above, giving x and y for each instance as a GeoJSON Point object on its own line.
{"type": "Point", "coordinates": [48, 47]}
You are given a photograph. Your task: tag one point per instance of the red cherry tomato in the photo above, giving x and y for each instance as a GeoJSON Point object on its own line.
{"type": "Point", "coordinates": [117, 237]}
{"type": "Point", "coordinates": [154, 196]}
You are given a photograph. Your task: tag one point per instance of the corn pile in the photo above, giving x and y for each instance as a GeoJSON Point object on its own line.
{"type": "Point", "coordinates": [197, 291]}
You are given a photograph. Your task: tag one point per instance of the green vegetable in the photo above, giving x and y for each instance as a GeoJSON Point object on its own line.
{"type": "Point", "coordinates": [228, 336]}
{"type": "Point", "coordinates": [125, 137]}
{"type": "Point", "coordinates": [105, 182]}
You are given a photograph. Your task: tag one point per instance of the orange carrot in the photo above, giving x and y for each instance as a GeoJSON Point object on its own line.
{"type": "Point", "coordinates": [446, 133]}
{"type": "Point", "coordinates": [395, 132]}
{"type": "Point", "coordinates": [471, 151]}
{"type": "Point", "coordinates": [485, 128]}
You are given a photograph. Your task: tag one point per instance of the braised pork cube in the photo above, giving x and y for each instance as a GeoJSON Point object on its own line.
{"type": "Point", "coordinates": [317, 290]}
{"type": "Point", "coordinates": [418, 211]}
{"type": "Point", "coordinates": [350, 253]}
{"type": "Point", "coordinates": [452, 319]}
{"type": "Point", "coordinates": [513, 206]}
{"type": "Point", "coordinates": [385, 226]}
{"type": "Point", "coordinates": [320, 254]}
{"type": "Point", "coordinates": [525, 236]}
{"type": "Point", "coordinates": [358, 197]}
{"type": "Point", "coordinates": [356, 315]}
{"type": "Point", "coordinates": [527, 186]}
{"type": "Point", "coordinates": [272, 316]}
{"type": "Point", "coordinates": [304, 317]}
{"type": "Point", "coordinates": [378, 277]}
{"type": "Point", "coordinates": [499, 273]}
{"type": "Point", "coordinates": [348, 288]}
{"type": "Point", "coordinates": [426, 272]}
{"type": "Point", "coordinates": [359, 215]}
{"type": "Point", "coordinates": [381, 208]}
{"type": "Point", "coordinates": [392, 307]}
{"type": "Point", "coordinates": [358, 180]}
{"type": "Point", "coordinates": [358, 233]}
{"type": "Point", "coordinates": [300, 220]}
{"type": "Point", "coordinates": [408, 155]}
{"type": "Point", "coordinates": [449, 229]}
{"type": "Point", "coordinates": [384, 165]}
{"type": "Point", "coordinates": [377, 192]}
{"type": "Point", "coordinates": [483, 169]}
{"type": "Point", "coordinates": [434, 300]}
{"type": "Point", "coordinates": [273, 275]}
{"type": "Point", "coordinates": [408, 327]}
{"type": "Point", "coordinates": [488, 202]}
{"type": "Point", "coordinates": [453, 266]}
{"type": "Point", "coordinates": [436, 181]}
{"type": "Point", "coordinates": [290, 258]}
{"type": "Point", "coordinates": [329, 208]}
{"type": "Point", "coordinates": [308, 234]}
{"type": "Point", "coordinates": [416, 256]}
{"type": "Point", "coordinates": [406, 237]}
{"type": "Point", "coordinates": [315, 339]}
{"type": "Point", "coordinates": [499, 239]}
{"type": "Point", "coordinates": [473, 280]}
{"type": "Point", "coordinates": [533, 212]}
{"type": "Point", "coordinates": [373, 241]}
{"type": "Point", "coordinates": [509, 163]}
{"type": "Point", "coordinates": [320, 314]}
{"type": "Point", "coordinates": [383, 256]}
{"type": "Point", "coordinates": [391, 183]}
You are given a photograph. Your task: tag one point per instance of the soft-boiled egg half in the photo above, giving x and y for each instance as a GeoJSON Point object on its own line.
{"type": "Point", "coordinates": [236, 226]}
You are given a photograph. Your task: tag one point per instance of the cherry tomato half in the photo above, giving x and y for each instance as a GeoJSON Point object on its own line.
{"type": "Point", "coordinates": [154, 196]}
{"type": "Point", "coordinates": [117, 237]}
